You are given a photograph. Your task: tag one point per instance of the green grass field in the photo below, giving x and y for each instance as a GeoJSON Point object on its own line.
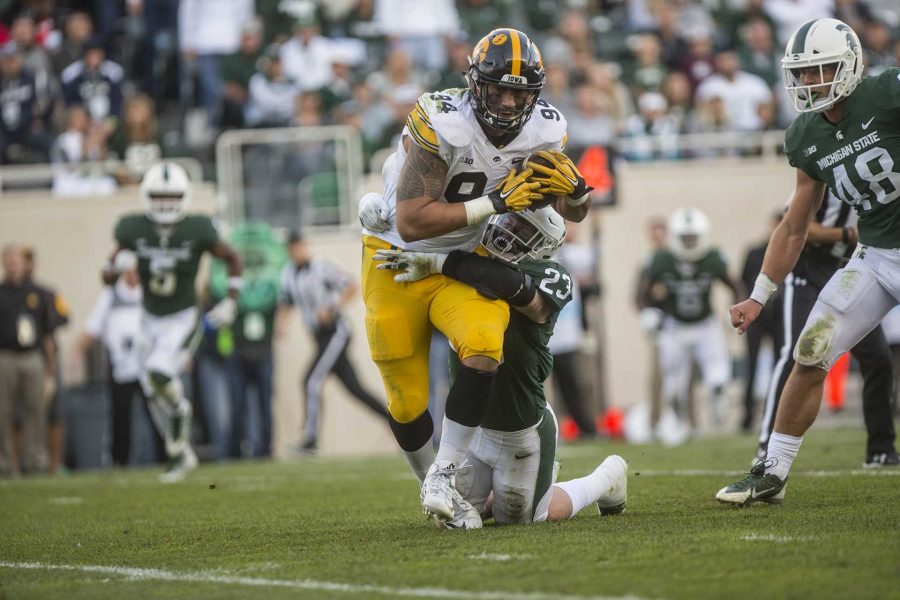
{"type": "Point", "coordinates": [322, 528]}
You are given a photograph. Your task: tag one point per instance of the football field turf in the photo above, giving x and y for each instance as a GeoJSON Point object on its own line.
{"type": "Point", "coordinates": [352, 528]}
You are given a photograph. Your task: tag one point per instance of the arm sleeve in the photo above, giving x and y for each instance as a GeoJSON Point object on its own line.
{"type": "Point", "coordinates": [490, 278]}
{"type": "Point", "coordinates": [96, 321]}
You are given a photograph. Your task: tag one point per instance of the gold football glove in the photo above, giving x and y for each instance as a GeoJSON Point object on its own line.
{"type": "Point", "coordinates": [557, 174]}
{"type": "Point", "coordinates": [516, 192]}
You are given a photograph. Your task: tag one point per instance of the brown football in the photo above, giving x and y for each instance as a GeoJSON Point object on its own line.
{"type": "Point", "coordinates": [548, 199]}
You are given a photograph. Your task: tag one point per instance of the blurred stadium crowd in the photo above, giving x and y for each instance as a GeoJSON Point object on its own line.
{"type": "Point", "coordinates": [105, 88]}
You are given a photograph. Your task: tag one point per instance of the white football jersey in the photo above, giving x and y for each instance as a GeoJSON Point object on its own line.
{"type": "Point", "coordinates": [443, 123]}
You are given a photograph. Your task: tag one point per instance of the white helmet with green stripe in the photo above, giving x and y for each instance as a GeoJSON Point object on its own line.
{"type": "Point", "coordinates": [515, 236]}
{"type": "Point", "coordinates": [166, 192]}
{"type": "Point", "coordinates": [822, 43]}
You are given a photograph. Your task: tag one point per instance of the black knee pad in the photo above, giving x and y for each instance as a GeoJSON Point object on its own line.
{"type": "Point", "coordinates": [469, 396]}
{"type": "Point", "coordinates": [413, 435]}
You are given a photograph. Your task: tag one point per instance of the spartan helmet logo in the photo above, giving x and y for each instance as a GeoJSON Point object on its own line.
{"type": "Point", "coordinates": [851, 39]}
{"type": "Point", "coordinates": [839, 135]}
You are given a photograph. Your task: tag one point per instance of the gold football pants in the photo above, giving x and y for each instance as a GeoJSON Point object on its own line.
{"type": "Point", "coordinates": [399, 321]}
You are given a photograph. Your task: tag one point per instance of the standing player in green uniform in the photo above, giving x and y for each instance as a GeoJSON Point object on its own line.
{"type": "Point", "coordinates": [169, 245]}
{"type": "Point", "coordinates": [689, 332]}
{"type": "Point", "coordinates": [509, 469]}
{"type": "Point", "coordinates": [848, 139]}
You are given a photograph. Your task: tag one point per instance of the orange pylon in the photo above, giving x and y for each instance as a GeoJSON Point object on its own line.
{"type": "Point", "coordinates": [836, 382]}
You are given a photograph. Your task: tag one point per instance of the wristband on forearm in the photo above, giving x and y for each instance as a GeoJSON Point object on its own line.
{"type": "Point", "coordinates": [845, 234]}
{"type": "Point", "coordinates": [578, 201]}
{"type": "Point", "coordinates": [479, 209]}
{"type": "Point", "coordinates": [763, 288]}
{"type": "Point", "coordinates": [235, 283]}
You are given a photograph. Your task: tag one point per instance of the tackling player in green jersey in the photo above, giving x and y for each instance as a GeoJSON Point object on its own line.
{"type": "Point", "coordinates": [510, 467]}
{"type": "Point", "coordinates": [847, 138]}
{"type": "Point", "coordinates": [169, 245]}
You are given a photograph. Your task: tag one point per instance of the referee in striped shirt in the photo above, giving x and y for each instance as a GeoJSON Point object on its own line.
{"type": "Point", "coordinates": [832, 237]}
{"type": "Point", "coordinates": [319, 289]}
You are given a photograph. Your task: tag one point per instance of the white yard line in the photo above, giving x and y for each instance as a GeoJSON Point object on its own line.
{"type": "Point", "coordinates": [499, 557]}
{"type": "Point", "coordinates": [883, 472]}
{"type": "Point", "coordinates": [138, 574]}
{"type": "Point", "coordinates": [778, 539]}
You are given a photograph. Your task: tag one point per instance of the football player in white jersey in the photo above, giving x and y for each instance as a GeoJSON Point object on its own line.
{"type": "Point", "coordinates": [453, 168]}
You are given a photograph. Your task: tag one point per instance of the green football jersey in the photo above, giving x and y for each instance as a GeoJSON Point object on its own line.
{"type": "Point", "coordinates": [688, 283]}
{"type": "Point", "coordinates": [858, 158]}
{"type": "Point", "coordinates": [168, 258]}
{"type": "Point", "coordinates": [519, 401]}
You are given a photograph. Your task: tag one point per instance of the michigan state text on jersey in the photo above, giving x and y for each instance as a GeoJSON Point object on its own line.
{"type": "Point", "coordinates": [168, 258]}
{"type": "Point", "coordinates": [846, 139]}
{"type": "Point", "coordinates": [859, 156]}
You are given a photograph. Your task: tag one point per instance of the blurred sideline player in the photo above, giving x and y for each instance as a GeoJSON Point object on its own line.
{"type": "Point", "coordinates": [169, 245]}
{"type": "Point", "coordinates": [510, 466]}
{"type": "Point", "coordinates": [831, 238]}
{"type": "Point", "coordinates": [453, 168]}
{"type": "Point", "coordinates": [848, 140]}
{"type": "Point", "coordinates": [650, 314]}
{"type": "Point", "coordinates": [688, 329]}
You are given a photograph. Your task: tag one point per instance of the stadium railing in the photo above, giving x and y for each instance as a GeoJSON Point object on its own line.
{"type": "Point", "coordinates": [312, 176]}
{"type": "Point", "coordinates": [290, 177]}
{"type": "Point", "coordinates": [701, 145]}
{"type": "Point", "coordinates": [40, 176]}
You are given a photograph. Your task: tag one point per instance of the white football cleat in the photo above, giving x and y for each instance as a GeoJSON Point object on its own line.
{"type": "Point", "coordinates": [465, 516]}
{"type": "Point", "coordinates": [179, 466]}
{"type": "Point", "coordinates": [612, 502]}
{"type": "Point", "coordinates": [438, 488]}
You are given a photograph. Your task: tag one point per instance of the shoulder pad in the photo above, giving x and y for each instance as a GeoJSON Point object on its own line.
{"type": "Point", "coordinates": [793, 137]}
{"type": "Point", "coordinates": [548, 126]}
{"type": "Point", "coordinates": [419, 125]}
{"type": "Point", "coordinates": [886, 87]}
{"type": "Point", "coordinates": [128, 228]}
{"type": "Point", "coordinates": [444, 116]}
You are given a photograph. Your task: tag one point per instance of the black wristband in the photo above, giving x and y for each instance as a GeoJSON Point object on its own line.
{"type": "Point", "coordinates": [498, 202]}
{"type": "Point", "coordinates": [845, 234]}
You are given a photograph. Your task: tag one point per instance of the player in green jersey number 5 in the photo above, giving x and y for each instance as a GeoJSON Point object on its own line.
{"type": "Point", "coordinates": [847, 138]}
{"type": "Point", "coordinates": [509, 470]}
{"type": "Point", "coordinates": [169, 245]}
